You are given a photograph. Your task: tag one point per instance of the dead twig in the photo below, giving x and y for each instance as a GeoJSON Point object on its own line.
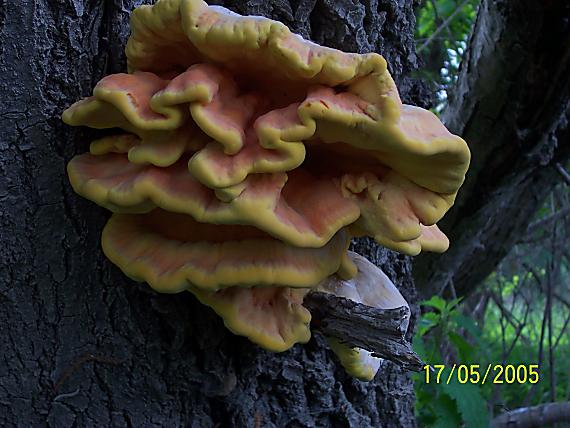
{"type": "Point", "coordinates": [380, 331]}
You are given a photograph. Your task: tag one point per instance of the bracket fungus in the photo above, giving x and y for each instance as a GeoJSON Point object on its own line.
{"type": "Point", "coordinates": [241, 159]}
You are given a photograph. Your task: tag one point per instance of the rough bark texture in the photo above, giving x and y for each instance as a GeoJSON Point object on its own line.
{"type": "Point", "coordinates": [81, 345]}
{"type": "Point", "coordinates": [511, 104]}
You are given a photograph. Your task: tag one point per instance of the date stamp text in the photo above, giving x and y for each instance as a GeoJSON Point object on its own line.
{"type": "Point", "coordinates": [477, 374]}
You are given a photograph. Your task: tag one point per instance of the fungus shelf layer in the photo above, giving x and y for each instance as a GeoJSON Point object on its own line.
{"type": "Point", "coordinates": [245, 158]}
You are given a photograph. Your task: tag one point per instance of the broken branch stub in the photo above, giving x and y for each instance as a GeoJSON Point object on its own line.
{"type": "Point", "coordinates": [380, 331]}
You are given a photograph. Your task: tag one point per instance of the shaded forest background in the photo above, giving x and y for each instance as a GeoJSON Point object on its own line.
{"type": "Point", "coordinates": [509, 307]}
{"type": "Point", "coordinates": [82, 345]}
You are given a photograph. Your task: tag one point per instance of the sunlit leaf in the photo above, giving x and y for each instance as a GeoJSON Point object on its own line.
{"type": "Point", "coordinates": [435, 302]}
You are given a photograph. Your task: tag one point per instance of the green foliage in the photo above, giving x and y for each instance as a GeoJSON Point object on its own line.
{"type": "Point", "coordinates": [445, 336]}
{"type": "Point", "coordinates": [499, 333]}
{"type": "Point", "coordinates": [440, 403]}
{"type": "Point", "coordinates": [518, 324]}
{"type": "Point", "coordinates": [469, 402]}
{"type": "Point", "coordinates": [442, 31]}
{"type": "Point", "coordinates": [452, 19]}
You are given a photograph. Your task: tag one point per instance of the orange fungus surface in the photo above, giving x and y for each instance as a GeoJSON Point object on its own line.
{"type": "Point", "coordinates": [241, 159]}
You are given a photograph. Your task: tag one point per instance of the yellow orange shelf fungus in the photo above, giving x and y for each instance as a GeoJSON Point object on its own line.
{"type": "Point", "coordinates": [244, 160]}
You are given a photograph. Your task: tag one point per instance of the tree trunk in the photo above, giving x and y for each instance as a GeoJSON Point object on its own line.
{"type": "Point", "coordinates": [512, 106]}
{"type": "Point", "coordinates": [84, 346]}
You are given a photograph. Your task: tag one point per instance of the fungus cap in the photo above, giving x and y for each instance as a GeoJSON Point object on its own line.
{"type": "Point", "coordinates": [246, 159]}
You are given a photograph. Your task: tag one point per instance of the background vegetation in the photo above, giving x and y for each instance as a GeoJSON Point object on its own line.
{"type": "Point", "coordinates": [520, 315]}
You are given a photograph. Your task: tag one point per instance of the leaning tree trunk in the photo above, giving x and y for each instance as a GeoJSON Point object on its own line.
{"type": "Point", "coordinates": [84, 346]}
{"type": "Point", "coordinates": [511, 103]}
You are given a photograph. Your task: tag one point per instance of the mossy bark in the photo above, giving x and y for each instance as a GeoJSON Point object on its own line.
{"type": "Point", "coordinates": [82, 345]}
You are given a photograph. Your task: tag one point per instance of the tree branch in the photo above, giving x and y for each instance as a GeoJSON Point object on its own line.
{"type": "Point", "coordinates": [510, 103]}
{"type": "Point", "coordinates": [380, 331]}
{"type": "Point", "coordinates": [561, 213]}
{"type": "Point", "coordinates": [443, 26]}
{"type": "Point", "coordinates": [537, 416]}
{"type": "Point", "coordinates": [563, 173]}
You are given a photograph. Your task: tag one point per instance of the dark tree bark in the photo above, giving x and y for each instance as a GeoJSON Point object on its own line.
{"type": "Point", "coordinates": [512, 105]}
{"type": "Point", "coordinates": [82, 345]}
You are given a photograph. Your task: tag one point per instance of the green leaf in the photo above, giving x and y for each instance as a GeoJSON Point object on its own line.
{"type": "Point", "coordinates": [453, 303]}
{"type": "Point", "coordinates": [468, 324]}
{"type": "Point", "coordinates": [464, 348]}
{"type": "Point", "coordinates": [427, 322]}
{"type": "Point", "coordinates": [435, 302]}
{"type": "Point", "coordinates": [470, 404]}
{"type": "Point", "coordinates": [446, 8]}
{"type": "Point", "coordinates": [419, 347]}
{"type": "Point", "coordinates": [446, 411]}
